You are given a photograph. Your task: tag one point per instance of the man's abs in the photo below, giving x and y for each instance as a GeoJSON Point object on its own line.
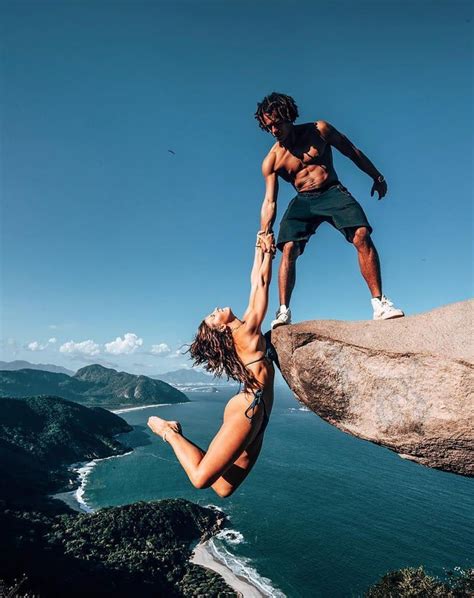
{"type": "Point", "coordinates": [306, 169]}
{"type": "Point", "coordinates": [311, 179]}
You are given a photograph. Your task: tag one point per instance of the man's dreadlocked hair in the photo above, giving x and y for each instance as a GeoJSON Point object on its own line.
{"type": "Point", "coordinates": [216, 350]}
{"type": "Point", "coordinates": [278, 103]}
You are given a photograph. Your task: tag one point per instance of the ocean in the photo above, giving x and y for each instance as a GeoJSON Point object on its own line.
{"type": "Point", "coordinates": [322, 514]}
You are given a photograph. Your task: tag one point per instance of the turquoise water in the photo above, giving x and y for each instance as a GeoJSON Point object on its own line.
{"type": "Point", "coordinates": [322, 514]}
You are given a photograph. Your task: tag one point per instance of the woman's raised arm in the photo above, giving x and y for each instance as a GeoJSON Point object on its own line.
{"type": "Point", "coordinates": [260, 279]}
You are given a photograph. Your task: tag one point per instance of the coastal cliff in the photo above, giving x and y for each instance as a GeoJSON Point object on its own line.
{"type": "Point", "coordinates": [139, 549]}
{"type": "Point", "coordinates": [406, 384]}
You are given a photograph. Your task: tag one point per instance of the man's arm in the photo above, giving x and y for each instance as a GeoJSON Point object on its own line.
{"type": "Point", "coordinates": [346, 147]}
{"type": "Point", "coordinates": [268, 212]}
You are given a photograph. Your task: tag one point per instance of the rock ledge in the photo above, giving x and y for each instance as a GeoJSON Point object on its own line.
{"type": "Point", "coordinates": [405, 384]}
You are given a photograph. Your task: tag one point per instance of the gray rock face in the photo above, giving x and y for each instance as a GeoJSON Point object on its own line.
{"type": "Point", "coordinates": [406, 384]}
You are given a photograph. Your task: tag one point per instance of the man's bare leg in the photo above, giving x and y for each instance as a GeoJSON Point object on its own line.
{"type": "Point", "coordinates": [368, 260]}
{"type": "Point", "coordinates": [286, 282]}
{"type": "Point", "coordinates": [287, 271]}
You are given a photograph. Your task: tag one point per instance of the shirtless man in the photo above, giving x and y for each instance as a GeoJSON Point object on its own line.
{"type": "Point", "coordinates": [302, 156]}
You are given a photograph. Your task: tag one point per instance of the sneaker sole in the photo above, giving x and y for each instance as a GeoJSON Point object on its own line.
{"type": "Point", "coordinates": [394, 317]}
{"type": "Point", "coordinates": [278, 324]}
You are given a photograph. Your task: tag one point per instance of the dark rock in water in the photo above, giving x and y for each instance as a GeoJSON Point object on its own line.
{"type": "Point", "coordinates": [406, 384]}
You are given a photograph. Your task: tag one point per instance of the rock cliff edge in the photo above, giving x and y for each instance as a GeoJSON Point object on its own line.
{"type": "Point", "coordinates": [406, 384]}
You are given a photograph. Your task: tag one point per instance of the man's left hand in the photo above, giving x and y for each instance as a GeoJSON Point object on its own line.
{"type": "Point", "coordinates": [381, 188]}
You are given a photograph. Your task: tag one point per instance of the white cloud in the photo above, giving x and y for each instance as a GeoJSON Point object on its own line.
{"type": "Point", "coordinates": [124, 346]}
{"type": "Point", "coordinates": [88, 347]}
{"type": "Point", "coordinates": [160, 349]}
{"type": "Point", "coordinates": [176, 354]}
{"type": "Point", "coordinates": [36, 346]}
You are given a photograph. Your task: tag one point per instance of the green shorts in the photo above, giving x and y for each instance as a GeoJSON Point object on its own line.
{"type": "Point", "coordinates": [307, 210]}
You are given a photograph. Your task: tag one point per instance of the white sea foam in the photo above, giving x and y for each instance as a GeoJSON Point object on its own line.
{"type": "Point", "coordinates": [241, 566]}
{"type": "Point", "coordinates": [215, 508]}
{"type": "Point", "coordinates": [231, 536]}
{"type": "Point", "coordinates": [299, 409]}
{"type": "Point", "coordinates": [84, 471]}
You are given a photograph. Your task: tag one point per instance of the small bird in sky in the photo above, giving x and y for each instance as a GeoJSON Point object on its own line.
{"type": "Point", "coordinates": [172, 152]}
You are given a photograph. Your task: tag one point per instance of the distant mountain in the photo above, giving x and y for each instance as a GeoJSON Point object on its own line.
{"type": "Point", "coordinates": [21, 365]}
{"type": "Point", "coordinates": [91, 385]}
{"type": "Point", "coordinates": [193, 380]}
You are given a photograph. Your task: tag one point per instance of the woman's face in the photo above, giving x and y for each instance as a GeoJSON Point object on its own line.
{"type": "Point", "coordinates": [221, 316]}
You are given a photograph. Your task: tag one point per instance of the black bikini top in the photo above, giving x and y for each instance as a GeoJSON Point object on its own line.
{"type": "Point", "coordinates": [269, 352]}
{"type": "Point", "coordinates": [271, 355]}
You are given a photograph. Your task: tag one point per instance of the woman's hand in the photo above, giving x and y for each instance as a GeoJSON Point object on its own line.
{"type": "Point", "coordinates": [267, 242]}
{"type": "Point", "coordinates": [161, 426]}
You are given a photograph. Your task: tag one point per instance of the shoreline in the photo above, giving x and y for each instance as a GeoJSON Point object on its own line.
{"type": "Point", "coordinates": [69, 499]}
{"type": "Point", "coordinates": [126, 409]}
{"type": "Point", "coordinates": [203, 556]}
{"type": "Point", "coordinates": [75, 498]}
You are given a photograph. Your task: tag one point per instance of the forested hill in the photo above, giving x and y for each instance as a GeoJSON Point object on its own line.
{"type": "Point", "coordinates": [39, 435]}
{"type": "Point", "coordinates": [91, 385]}
{"type": "Point", "coordinates": [140, 549]}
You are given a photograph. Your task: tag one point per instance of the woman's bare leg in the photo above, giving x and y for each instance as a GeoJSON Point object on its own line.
{"type": "Point", "coordinates": [190, 456]}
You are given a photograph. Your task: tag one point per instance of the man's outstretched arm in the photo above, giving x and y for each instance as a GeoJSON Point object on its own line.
{"type": "Point", "coordinates": [268, 213]}
{"type": "Point", "coordinates": [346, 147]}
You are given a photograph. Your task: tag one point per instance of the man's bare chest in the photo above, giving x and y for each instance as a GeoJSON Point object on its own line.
{"type": "Point", "coordinates": [290, 162]}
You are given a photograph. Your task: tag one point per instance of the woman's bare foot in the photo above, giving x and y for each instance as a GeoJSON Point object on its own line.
{"type": "Point", "coordinates": [161, 426]}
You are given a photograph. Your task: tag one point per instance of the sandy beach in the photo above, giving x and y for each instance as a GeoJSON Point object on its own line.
{"type": "Point", "coordinates": [204, 557]}
{"type": "Point", "coordinates": [70, 499]}
{"type": "Point", "coordinates": [126, 409]}
{"type": "Point", "coordinates": [201, 556]}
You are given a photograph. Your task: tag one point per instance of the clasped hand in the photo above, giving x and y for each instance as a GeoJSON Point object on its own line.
{"type": "Point", "coordinates": [266, 242]}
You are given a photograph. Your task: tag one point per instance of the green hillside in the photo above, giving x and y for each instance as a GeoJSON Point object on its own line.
{"type": "Point", "coordinates": [38, 435]}
{"type": "Point", "coordinates": [141, 549]}
{"type": "Point", "coordinates": [91, 385]}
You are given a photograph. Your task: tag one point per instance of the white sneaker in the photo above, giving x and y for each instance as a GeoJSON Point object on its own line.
{"type": "Point", "coordinates": [283, 317]}
{"type": "Point", "coordinates": [384, 309]}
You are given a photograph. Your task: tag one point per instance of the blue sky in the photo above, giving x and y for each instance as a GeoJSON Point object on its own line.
{"type": "Point", "coordinates": [105, 233]}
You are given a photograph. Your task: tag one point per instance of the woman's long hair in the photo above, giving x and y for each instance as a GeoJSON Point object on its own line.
{"type": "Point", "coordinates": [216, 350]}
